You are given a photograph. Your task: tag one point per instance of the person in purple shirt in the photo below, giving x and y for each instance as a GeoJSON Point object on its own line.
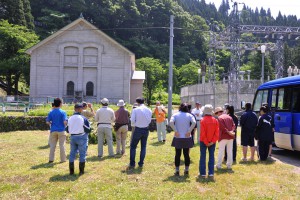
{"type": "Point", "coordinates": [57, 120]}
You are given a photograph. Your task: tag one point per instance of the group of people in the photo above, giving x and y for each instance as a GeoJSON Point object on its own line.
{"type": "Point", "coordinates": [78, 126]}
{"type": "Point", "coordinates": [212, 125]}
{"type": "Point", "coordinates": [220, 125]}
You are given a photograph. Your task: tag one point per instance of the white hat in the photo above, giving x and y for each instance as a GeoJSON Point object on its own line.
{"type": "Point", "coordinates": [104, 101]}
{"type": "Point", "coordinates": [121, 103]}
{"type": "Point", "coordinates": [208, 109]}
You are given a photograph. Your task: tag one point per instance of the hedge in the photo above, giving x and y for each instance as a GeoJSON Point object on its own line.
{"type": "Point", "coordinates": [21, 123]}
{"type": "Point", "coordinates": [26, 123]}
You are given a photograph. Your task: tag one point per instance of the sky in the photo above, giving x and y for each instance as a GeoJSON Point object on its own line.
{"type": "Point", "coordinates": [287, 7]}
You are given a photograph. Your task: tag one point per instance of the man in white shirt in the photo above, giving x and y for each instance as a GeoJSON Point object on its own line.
{"type": "Point", "coordinates": [140, 120]}
{"type": "Point", "coordinates": [105, 116]}
{"type": "Point", "coordinates": [198, 113]}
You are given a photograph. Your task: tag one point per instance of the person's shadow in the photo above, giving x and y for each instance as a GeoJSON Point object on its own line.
{"type": "Point", "coordinates": [177, 179]}
{"type": "Point", "coordinates": [43, 165]}
{"type": "Point", "coordinates": [137, 170]}
{"type": "Point", "coordinates": [65, 177]}
{"type": "Point", "coordinates": [44, 147]}
{"type": "Point", "coordinates": [157, 143]}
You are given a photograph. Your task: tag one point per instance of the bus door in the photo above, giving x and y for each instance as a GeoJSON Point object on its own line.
{"type": "Point", "coordinates": [283, 118]}
{"type": "Point", "coordinates": [296, 118]}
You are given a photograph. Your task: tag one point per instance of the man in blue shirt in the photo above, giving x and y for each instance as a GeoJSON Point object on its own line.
{"type": "Point", "coordinates": [57, 120]}
{"type": "Point", "coordinates": [79, 128]}
{"type": "Point", "coordinates": [140, 119]}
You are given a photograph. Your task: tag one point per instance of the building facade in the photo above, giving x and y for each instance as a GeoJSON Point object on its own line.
{"type": "Point", "coordinates": [80, 62]}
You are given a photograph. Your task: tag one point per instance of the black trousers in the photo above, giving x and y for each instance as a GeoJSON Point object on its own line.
{"type": "Point", "coordinates": [186, 155]}
{"type": "Point", "coordinates": [263, 149]}
{"type": "Point", "coordinates": [234, 149]}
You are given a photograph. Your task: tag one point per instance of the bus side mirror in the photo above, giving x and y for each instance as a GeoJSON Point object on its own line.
{"type": "Point", "coordinates": [243, 104]}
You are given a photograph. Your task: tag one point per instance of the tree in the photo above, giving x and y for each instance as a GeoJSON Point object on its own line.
{"type": "Point", "coordinates": [188, 73]}
{"type": "Point", "coordinates": [17, 12]}
{"type": "Point", "coordinates": [154, 73]}
{"type": "Point", "coordinates": [255, 64]}
{"type": "Point", "coordinates": [14, 63]}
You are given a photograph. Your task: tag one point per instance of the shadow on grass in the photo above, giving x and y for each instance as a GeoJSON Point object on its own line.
{"type": "Point", "coordinates": [65, 177]}
{"type": "Point", "coordinates": [44, 147]}
{"type": "Point", "coordinates": [177, 179]}
{"type": "Point", "coordinates": [205, 180]}
{"type": "Point", "coordinates": [137, 170]}
{"type": "Point", "coordinates": [96, 158]}
{"type": "Point", "coordinates": [158, 143]}
{"type": "Point", "coordinates": [224, 171]}
{"type": "Point", "coordinates": [43, 165]}
{"type": "Point", "coordinates": [269, 161]}
{"type": "Point", "coordinates": [248, 163]}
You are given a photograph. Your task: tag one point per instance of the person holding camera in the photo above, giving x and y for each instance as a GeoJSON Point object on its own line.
{"type": "Point", "coordinates": [226, 137]}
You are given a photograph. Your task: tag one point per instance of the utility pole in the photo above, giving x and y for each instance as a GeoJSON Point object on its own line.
{"type": "Point", "coordinates": [170, 89]}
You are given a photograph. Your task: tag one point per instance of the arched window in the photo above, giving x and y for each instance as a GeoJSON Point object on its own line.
{"type": "Point", "coordinates": [90, 89]}
{"type": "Point", "coordinates": [70, 88]}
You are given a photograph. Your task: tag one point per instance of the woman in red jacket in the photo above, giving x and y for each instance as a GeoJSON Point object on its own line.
{"type": "Point", "coordinates": [208, 138]}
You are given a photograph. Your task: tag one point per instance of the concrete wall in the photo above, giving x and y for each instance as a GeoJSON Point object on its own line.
{"type": "Point", "coordinates": [136, 90]}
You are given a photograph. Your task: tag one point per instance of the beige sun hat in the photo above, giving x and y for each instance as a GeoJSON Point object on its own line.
{"type": "Point", "coordinates": [218, 109]}
{"type": "Point", "coordinates": [104, 101]}
{"type": "Point", "coordinates": [121, 103]}
{"type": "Point", "coordinates": [208, 109]}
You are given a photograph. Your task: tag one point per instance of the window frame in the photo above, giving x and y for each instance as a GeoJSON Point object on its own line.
{"type": "Point", "coordinates": [91, 90]}
{"type": "Point", "coordinates": [68, 93]}
{"type": "Point", "coordinates": [290, 98]}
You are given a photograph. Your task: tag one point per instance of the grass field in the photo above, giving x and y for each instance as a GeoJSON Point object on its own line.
{"type": "Point", "coordinates": [25, 174]}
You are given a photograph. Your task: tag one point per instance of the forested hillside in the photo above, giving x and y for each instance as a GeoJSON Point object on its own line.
{"type": "Point", "coordinates": [142, 27]}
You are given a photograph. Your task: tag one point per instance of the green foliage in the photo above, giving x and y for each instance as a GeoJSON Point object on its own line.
{"type": "Point", "coordinates": [17, 12]}
{"type": "Point", "coordinates": [163, 98]}
{"type": "Point", "coordinates": [14, 63]}
{"type": "Point", "coordinates": [16, 123]}
{"type": "Point", "coordinates": [154, 74]}
{"type": "Point", "coordinates": [256, 66]}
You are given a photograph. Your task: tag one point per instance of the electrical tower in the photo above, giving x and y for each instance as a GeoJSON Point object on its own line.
{"type": "Point", "coordinates": [230, 39]}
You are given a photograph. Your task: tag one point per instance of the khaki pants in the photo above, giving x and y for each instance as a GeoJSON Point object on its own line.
{"type": "Point", "coordinates": [121, 136]}
{"type": "Point", "coordinates": [61, 138]}
{"type": "Point", "coordinates": [228, 144]}
{"type": "Point", "coordinates": [107, 133]}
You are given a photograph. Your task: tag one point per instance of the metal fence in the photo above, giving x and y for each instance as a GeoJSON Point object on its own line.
{"type": "Point", "coordinates": [220, 92]}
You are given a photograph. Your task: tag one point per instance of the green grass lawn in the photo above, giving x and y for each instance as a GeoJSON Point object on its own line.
{"type": "Point", "coordinates": [25, 174]}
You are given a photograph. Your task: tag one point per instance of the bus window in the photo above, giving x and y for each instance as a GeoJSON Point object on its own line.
{"type": "Point", "coordinates": [261, 97]}
{"type": "Point", "coordinates": [284, 99]}
{"type": "Point", "coordinates": [274, 96]}
{"type": "Point", "coordinates": [296, 100]}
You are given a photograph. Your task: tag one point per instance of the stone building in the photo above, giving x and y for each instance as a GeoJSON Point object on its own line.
{"type": "Point", "coordinates": [81, 62]}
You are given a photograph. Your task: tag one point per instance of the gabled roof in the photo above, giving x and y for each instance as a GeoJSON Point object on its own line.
{"type": "Point", "coordinates": [58, 33]}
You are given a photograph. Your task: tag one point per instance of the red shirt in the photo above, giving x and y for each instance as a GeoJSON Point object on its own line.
{"type": "Point", "coordinates": [209, 129]}
{"type": "Point", "coordinates": [226, 124]}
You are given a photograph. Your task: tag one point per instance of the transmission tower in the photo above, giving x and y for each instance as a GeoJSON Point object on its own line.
{"type": "Point", "coordinates": [230, 39]}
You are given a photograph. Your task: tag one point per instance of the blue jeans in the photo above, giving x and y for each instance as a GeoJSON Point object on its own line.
{"type": "Point", "coordinates": [78, 143]}
{"type": "Point", "coordinates": [211, 161]}
{"type": "Point", "coordinates": [139, 134]}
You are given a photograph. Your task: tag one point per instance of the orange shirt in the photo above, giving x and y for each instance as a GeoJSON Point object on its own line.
{"type": "Point", "coordinates": [160, 117]}
{"type": "Point", "coordinates": [209, 129]}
